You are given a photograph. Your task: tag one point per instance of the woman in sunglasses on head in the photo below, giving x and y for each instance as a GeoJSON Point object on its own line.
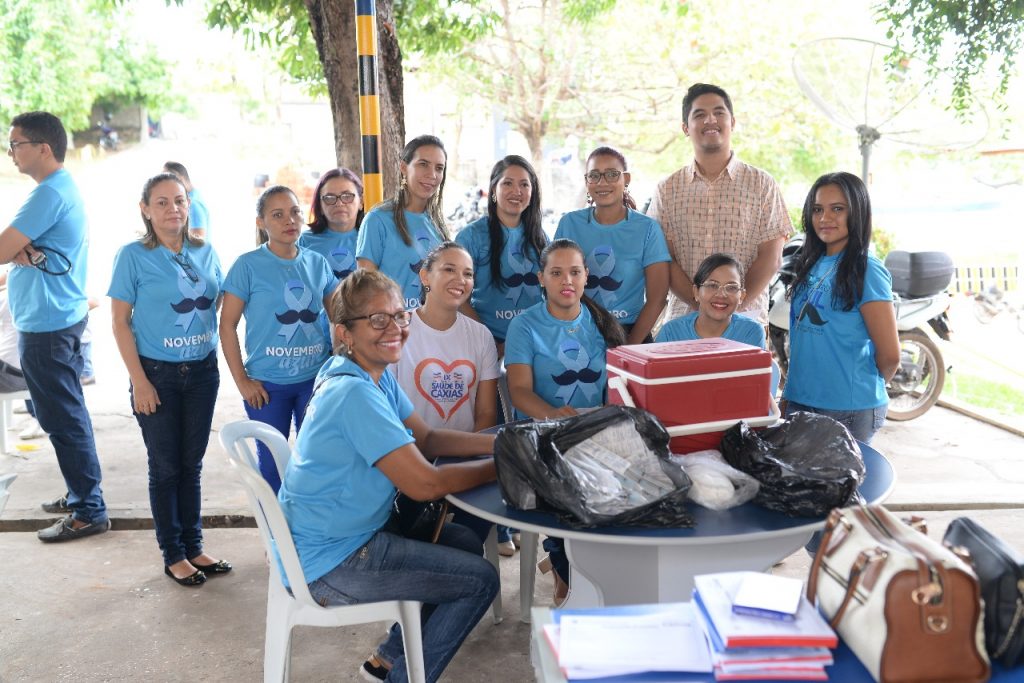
{"type": "Point", "coordinates": [164, 293]}
{"type": "Point", "coordinates": [396, 235]}
{"type": "Point", "coordinates": [280, 288]}
{"type": "Point", "coordinates": [337, 211]}
{"type": "Point", "coordinates": [626, 252]}
{"type": "Point", "coordinates": [362, 441]}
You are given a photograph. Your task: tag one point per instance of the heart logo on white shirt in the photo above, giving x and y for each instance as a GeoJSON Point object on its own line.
{"type": "Point", "coordinates": [446, 387]}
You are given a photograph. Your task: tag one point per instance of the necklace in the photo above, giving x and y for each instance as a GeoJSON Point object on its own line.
{"type": "Point", "coordinates": [819, 283]}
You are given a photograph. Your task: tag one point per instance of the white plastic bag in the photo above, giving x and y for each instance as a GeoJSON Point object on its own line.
{"type": "Point", "coordinates": [717, 485]}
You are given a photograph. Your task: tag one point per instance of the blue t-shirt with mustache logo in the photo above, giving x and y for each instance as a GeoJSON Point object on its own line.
{"type": "Point", "coordinates": [497, 304]}
{"type": "Point", "coordinates": [616, 258]}
{"type": "Point", "coordinates": [339, 248]}
{"type": "Point", "coordinates": [567, 357]}
{"type": "Point", "coordinates": [173, 299]}
{"type": "Point", "coordinates": [380, 243]}
{"type": "Point", "coordinates": [284, 343]}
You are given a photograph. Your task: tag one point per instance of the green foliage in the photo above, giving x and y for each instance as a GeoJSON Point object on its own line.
{"type": "Point", "coordinates": [962, 34]}
{"type": "Point", "coordinates": [431, 27]}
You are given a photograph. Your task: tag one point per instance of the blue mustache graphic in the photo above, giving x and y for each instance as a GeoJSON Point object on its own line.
{"type": "Point", "coordinates": [517, 279]}
{"type": "Point", "coordinates": [342, 274]}
{"type": "Point", "coordinates": [415, 267]}
{"type": "Point", "coordinates": [606, 283]}
{"type": "Point", "coordinates": [289, 317]}
{"type": "Point", "coordinates": [201, 303]}
{"type": "Point", "coordinates": [809, 311]}
{"type": "Point", "coordinates": [586, 375]}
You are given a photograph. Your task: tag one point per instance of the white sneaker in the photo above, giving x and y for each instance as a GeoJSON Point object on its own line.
{"type": "Point", "coordinates": [506, 549]}
{"type": "Point", "coordinates": [19, 408]}
{"type": "Point", "coordinates": [32, 430]}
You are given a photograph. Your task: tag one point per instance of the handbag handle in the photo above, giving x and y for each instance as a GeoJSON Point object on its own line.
{"type": "Point", "coordinates": [864, 559]}
{"type": "Point", "coordinates": [834, 519]}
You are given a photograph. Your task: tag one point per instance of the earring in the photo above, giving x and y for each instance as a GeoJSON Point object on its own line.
{"type": "Point", "coordinates": [590, 200]}
{"type": "Point", "coordinates": [426, 288]}
{"type": "Point", "coordinates": [401, 183]}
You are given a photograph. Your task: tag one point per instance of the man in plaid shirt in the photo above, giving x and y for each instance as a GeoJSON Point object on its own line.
{"type": "Point", "coordinates": [717, 203]}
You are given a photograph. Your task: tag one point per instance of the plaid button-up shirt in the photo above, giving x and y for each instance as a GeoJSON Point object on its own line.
{"type": "Point", "coordinates": [733, 213]}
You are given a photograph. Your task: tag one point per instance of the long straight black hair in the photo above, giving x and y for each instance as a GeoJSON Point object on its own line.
{"type": "Point", "coordinates": [849, 282]}
{"type": "Point", "coordinates": [606, 323]}
{"type": "Point", "coordinates": [533, 232]}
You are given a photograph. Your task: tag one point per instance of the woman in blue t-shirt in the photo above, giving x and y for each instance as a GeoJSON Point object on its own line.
{"type": "Point", "coordinates": [337, 211]}
{"type": "Point", "coordinates": [164, 292]}
{"type": "Point", "coordinates": [396, 235]}
{"type": "Point", "coordinates": [280, 288]}
{"type": "Point", "coordinates": [844, 345]}
{"type": "Point", "coordinates": [626, 252]}
{"type": "Point", "coordinates": [718, 290]}
{"type": "Point", "coordinates": [360, 442]}
{"type": "Point", "coordinates": [507, 284]}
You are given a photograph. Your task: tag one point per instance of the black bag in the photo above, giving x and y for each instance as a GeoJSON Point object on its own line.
{"type": "Point", "coordinates": [418, 520]}
{"type": "Point", "coordinates": [534, 472]}
{"type": "Point", "coordinates": [806, 465]}
{"type": "Point", "coordinates": [1000, 571]}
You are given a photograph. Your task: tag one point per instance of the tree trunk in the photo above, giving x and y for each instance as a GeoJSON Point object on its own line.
{"type": "Point", "coordinates": [334, 30]}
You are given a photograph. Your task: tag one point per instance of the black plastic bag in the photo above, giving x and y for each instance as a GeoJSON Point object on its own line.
{"type": "Point", "coordinates": [807, 464]}
{"type": "Point", "coordinates": [537, 471]}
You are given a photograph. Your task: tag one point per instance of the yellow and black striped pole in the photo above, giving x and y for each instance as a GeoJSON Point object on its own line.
{"type": "Point", "coordinates": [369, 102]}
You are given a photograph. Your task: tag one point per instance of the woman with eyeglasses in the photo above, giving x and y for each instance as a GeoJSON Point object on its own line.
{"type": "Point", "coordinates": [280, 288]}
{"type": "Point", "coordinates": [718, 291]}
{"type": "Point", "coordinates": [626, 252]}
{"type": "Point", "coordinates": [164, 292]}
{"type": "Point", "coordinates": [337, 211]}
{"type": "Point", "coordinates": [505, 246]}
{"type": "Point", "coordinates": [396, 235]}
{"type": "Point", "coordinates": [363, 440]}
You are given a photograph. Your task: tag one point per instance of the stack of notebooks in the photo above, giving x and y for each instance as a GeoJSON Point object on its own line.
{"type": "Point", "coordinates": [761, 627]}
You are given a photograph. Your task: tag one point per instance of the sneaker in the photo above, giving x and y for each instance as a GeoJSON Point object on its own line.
{"type": "Point", "coordinates": [32, 430]}
{"type": "Point", "coordinates": [20, 409]}
{"type": "Point", "coordinates": [64, 530]}
{"type": "Point", "coordinates": [374, 669]}
{"type": "Point", "coordinates": [507, 548]}
{"type": "Point", "coordinates": [517, 539]}
{"type": "Point", "coordinates": [57, 506]}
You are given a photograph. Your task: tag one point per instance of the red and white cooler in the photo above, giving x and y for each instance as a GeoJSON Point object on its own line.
{"type": "Point", "coordinates": [697, 388]}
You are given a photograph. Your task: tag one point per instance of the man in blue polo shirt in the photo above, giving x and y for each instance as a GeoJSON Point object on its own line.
{"type": "Point", "coordinates": [46, 241]}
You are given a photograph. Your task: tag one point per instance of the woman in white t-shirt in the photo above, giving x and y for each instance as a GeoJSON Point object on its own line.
{"type": "Point", "coordinates": [449, 366]}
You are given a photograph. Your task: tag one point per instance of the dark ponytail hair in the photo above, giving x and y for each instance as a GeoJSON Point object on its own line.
{"type": "Point", "coordinates": [713, 263]}
{"type": "Point", "coordinates": [434, 206]}
{"type": "Point", "coordinates": [606, 323]}
{"type": "Point", "coordinates": [604, 150]}
{"type": "Point", "coordinates": [533, 232]}
{"type": "Point", "coordinates": [849, 279]}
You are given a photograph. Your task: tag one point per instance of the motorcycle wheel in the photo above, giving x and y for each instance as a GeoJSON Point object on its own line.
{"type": "Point", "coordinates": [984, 311]}
{"type": "Point", "coordinates": [907, 402]}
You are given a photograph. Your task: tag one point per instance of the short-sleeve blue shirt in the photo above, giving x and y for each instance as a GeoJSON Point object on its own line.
{"type": "Point", "coordinates": [831, 355]}
{"type": "Point", "coordinates": [53, 217]}
{"type": "Point", "coordinates": [567, 357]}
{"type": "Point", "coordinates": [332, 495]}
{"type": "Point", "coordinates": [339, 248]}
{"type": "Point", "coordinates": [495, 303]}
{"type": "Point", "coordinates": [283, 342]}
{"type": "Point", "coordinates": [380, 243]}
{"type": "Point", "coordinates": [173, 318]}
{"type": "Point", "coordinates": [198, 213]}
{"type": "Point", "coordinates": [616, 258]}
{"type": "Point", "coordinates": [741, 329]}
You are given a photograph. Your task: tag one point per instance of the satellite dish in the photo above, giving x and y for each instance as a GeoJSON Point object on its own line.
{"type": "Point", "coordinates": [848, 79]}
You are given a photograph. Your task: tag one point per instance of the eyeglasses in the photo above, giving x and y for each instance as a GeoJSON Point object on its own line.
{"type": "Point", "coordinates": [186, 266]}
{"type": "Point", "coordinates": [594, 177]}
{"type": "Point", "coordinates": [14, 144]}
{"type": "Point", "coordinates": [731, 289]}
{"type": "Point", "coordinates": [380, 321]}
{"type": "Point", "coordinates": [332, 199]}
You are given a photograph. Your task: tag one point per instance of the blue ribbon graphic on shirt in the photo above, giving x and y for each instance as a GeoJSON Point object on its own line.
{"type": "Point", "coordinates": [577, 375]}
{"type": "Point", "coordinates": [522, 275]}
{"type": "Point", "coordinates": [298, 312]}
{"type": "Point", "coordinates": [343, 262]}
{"type": "Point", "coordinates": [193, 304]}
{"type": "Point", "coordinates": [600, 284]}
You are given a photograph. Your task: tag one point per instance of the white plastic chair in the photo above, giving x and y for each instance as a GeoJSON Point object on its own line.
{"type": "Point", "coordinates": [7, 415]}
{"type": "Point", "coordinates": [286, 610]}
{"type": "Point", "coordinates": [5, 485]}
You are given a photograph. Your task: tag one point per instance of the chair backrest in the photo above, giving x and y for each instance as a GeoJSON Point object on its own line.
{"type": "Point", "coordinates": [5, 485]}
{"type": "Point", "coordinates": [277, 537]}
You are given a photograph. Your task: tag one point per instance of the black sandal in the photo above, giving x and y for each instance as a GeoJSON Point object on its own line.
{"type": "Point", "coordinates": [196, 578]}
{"type": "Point", "coordinates": [218, 567]}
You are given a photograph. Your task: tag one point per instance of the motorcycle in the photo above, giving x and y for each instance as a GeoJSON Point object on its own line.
{"type": "Point", "coordinates": [990, 302]}
{"type": "Point", "coordinates": [918, 381]}
{"type": "Point", "coordinates": [109, 139]}
{"type": "Point", "coordinates": [472, 207]}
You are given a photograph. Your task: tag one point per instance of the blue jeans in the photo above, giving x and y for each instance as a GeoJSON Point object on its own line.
{"type": "Point", "coordinates": [52, 364]}
{"type": "Point", "coordinates": [455, 584]}
{"type": "Point", "coordinates": [287, 402]}
{"type": "Point", "coordinates": [862, 423]}
{"type": "Point", "coordinates": [176, 437]}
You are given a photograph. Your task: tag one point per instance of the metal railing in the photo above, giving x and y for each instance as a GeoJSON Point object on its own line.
{"type": "Point", "coordinates": [979, 278]}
